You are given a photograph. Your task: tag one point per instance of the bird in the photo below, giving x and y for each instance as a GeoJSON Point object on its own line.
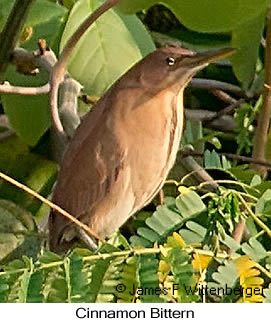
{"type": "Point", "coordinates": [124, 148]}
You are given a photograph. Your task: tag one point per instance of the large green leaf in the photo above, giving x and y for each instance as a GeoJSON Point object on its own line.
{"type": "Point", "coordinates": [204, 15]}
{"type": "Point", "coordinates": [29, 116]}
{"type": "Point", "coordinates": [107, 49]}
{"type": "Point", "coordinates": [246, 37]}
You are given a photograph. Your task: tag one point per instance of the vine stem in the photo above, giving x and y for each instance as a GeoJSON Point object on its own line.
{"type": "Point", "coordinates": [253, 215]}
{"type": "Point", "coordinates": [136, 252]}
{"type": "Point", "coordinates": [60, 67]}
{"type": "Point", "coordinates": [50, 204]}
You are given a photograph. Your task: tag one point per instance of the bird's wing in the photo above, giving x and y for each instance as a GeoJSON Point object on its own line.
{"type": "Point", "coordinates": [91, 165]}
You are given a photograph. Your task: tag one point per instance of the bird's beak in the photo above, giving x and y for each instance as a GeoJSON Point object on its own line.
{"type": "Point", "coordinates": [204, 58]}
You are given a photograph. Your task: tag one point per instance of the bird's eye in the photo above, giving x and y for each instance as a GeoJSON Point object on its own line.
{"type": "Point", "coordinates": [170, 61]}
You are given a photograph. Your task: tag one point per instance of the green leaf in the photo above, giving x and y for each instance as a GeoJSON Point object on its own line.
{"type": "Point", "coordinates": [254, 249]}
{"type": "Point", "coordinates": [140, 34]}
{"type": "Point", "coordinates": [148, 279]}
{"type": "Point", "coordinates": [204, 15]}
{"type": "Point", "coordinates": [163, 220]}
{"type": "Point", "coordinates": [194, 233]}
{"type": "Point", "coordinates": [43, 11]}
{"type": "Point", "coordinates": [256, 180]}
{"type": "Point", "coordinates": [190, 204]}
{"type": "Point", "coordinates": [226, 276]}
{"type": "Point", "coordinates": [183, 272]}
{"type": "Point", "coordinates": [25, 279]}
{"type": "Point", "coordinates": [128, 277]}
{"type": "Point", "coordinates": [230, 243]}
{"type": "Point", "coordinates": [148, 234]}
{"type": "Point", "coordinates": [34, 293]}
{"type": "Point", "coordinates": [246, 37]}
{"type": "Point", "coordinates": [28, 116]}
{"type": "Point", "coordinates": [212, 159]}
{"type": "Point", "coordinates": [4, 289]}
{"type": "Point", "coordinates": [263, 205]}
{"type": "Point", "coordinates": [267, 294]}
{"type": "Point", "coordinates": [78, 279]}
{"type": "Point", "coordinates": [40, 12]}
{"type": "Point", "coordinates": [107, 49]}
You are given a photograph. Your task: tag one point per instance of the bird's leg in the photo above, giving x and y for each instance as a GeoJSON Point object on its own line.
{"type": "Point", "coordinates": [87, 239]}
{"type": "Point", "coordinates": [161, 197]}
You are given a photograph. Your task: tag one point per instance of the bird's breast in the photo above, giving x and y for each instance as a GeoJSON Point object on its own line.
{"type": "Point", "coordinates": [153, 132]}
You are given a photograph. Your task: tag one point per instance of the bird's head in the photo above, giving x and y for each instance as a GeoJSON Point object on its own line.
{"type": "Point", "coordinates": [171, 66]}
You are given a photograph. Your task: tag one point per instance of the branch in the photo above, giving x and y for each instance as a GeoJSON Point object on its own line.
{"type": "Point", "coordinates": [9, 89]}
{"type": "Point", "coordinates": [261, 133]}
{"type": "Point", "coordinates": [11, 32]}
{"type": "Point", "coordinates": [28, 63]}
{"type": "Point", "coordinates": [208, 84]}
{"type": "Point", "coordinates": [60, 67]}
{"type": "Point", "coordinates": [223, 96]}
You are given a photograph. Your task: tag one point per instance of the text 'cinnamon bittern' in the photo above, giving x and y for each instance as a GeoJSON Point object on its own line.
{"type": "Point", "coordinates": [123, 150]}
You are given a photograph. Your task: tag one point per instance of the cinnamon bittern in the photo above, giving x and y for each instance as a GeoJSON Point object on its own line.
{"type": "Point", "coordinates": [123, 150]}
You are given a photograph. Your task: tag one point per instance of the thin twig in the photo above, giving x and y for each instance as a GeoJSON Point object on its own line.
{"type": "Point", "coordinates": [233, 157]}
{"type": "Point", "coordinates": [261, 133]}
{"type": "Point", "coordinates": [10, 89]}
{"type": "Point", "coordinates": [226, 181]}
{"type": "Point", "coordinates": [60, 67]}
{"type": "Point", "coordinates": [11, 32]}
{"type": "Point", "coordinates": [228, 110]}
{"type": "Point", "coordinates": [223, 96]}
{"type": "Point", "coordinates": [50, 204]}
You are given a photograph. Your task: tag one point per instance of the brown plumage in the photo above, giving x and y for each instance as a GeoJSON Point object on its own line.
{"type": "Point", "coordinates": [122, 152]}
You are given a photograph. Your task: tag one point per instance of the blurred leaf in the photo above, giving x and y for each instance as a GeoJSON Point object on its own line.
{"type": "Point", "coordinates": [140, 34]}
{"type": "Point", "coordinates": [16, 226]}
{"type": "Point", "coordinates": [211, 159]}
{"type": "Point", "coordinates": [29, 116]}
{"type": "Point", "coordinates": [267, 294]}
{"type": "Point", "coordinates": [230, 243]}
{"type": "Point", "coordinates": [263, 206]}
{"type": "Point", "coordinates": [246, 37]}
{"type": "Point", "coordinates": [35, 171]}
{"type": "Point", "coordinates": [226, 274]}
{"type": "Point", "coordinates": [107, 49]}
{"type": "Point", "coordinates": [256, 180]}
{"type": "Point", "coordinates": [254, 249]}
{"type": "Point", "coordinates": [195, 15]}
{"type": "Point", "coordinates": [40, 12]}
